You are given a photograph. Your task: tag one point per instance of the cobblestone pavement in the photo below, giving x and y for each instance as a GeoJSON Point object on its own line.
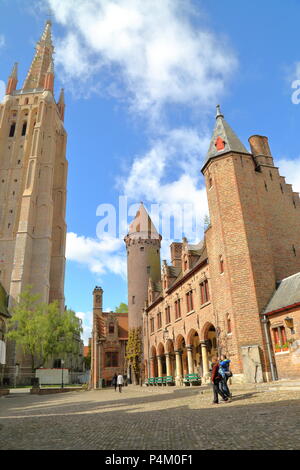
{"type": "Point", "coordinates": [151, 418]}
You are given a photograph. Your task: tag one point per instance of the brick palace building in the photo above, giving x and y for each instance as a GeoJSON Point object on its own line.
{"type": "Point", "coordinates": [235, 292]}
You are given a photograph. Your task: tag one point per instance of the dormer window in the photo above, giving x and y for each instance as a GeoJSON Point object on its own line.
{"type": "Point", "coordinates": [111, 328]}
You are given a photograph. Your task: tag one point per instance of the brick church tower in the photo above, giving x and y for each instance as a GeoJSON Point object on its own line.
{"type": "Point", "coordinates": [33, 170]}
{"type": "Point", "coordinates": [253, 240]}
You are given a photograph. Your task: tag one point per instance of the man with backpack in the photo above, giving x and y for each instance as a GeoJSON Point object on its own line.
{"type": "Point", "coordinates": [216, 378]}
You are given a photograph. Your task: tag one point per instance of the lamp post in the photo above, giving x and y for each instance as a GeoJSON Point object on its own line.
{"type": "Point", "coordinates": [62, 373]}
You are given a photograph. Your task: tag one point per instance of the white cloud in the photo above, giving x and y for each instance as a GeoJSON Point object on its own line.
{"type": "Point", "coordinates": [99, 256]}
{"type": "Point", "coordinates": [87, 325]}
{"type": "Point", "coordinates": [181, 150]}
{"type": "Point", "coordinates": [150, 47]}
{"type": "Point", "coordinates": [2, 90]}
{"type": "Point", "coordinates": [291, 170]}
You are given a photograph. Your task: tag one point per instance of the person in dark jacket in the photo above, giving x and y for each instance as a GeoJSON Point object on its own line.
{"type": "Point", "coordinates": [216, 379]}
{"type": "Point", "coordinates": [114, 382]}
{"type": "Point", "coordinates": [225, 372]}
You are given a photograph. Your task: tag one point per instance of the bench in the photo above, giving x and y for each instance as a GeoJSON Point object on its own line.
{"type": "Point", "coordinates": [159, 380]}
{"type": "Point", "coordinates": [151, 381]}
{"type": "Point", "coordinates": [192, 379]}
{"type": "Point", "coordinates": [169, 380]}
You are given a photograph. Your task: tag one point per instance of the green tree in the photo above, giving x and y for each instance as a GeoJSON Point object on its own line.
{"type": "Point", "coordinates": [134, 352]}
{"type": "Point", "coordinates": [122, 308]}
{"type": "Point", "coordinates": [41, 329]}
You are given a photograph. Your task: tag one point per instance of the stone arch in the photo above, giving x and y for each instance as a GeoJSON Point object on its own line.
{"type": "Point", "coordinates": [181, 346]}
{"type": "Point", "coordinates": [169, 346]}
{"type": "Point", "coordinates": [160, 349]}
{"type": "Point", "coordinates": [191, 335]}
{"type": "Point", "coordinates": [179, 342]}
{"type": "Point", "coordinates": [209, 335]}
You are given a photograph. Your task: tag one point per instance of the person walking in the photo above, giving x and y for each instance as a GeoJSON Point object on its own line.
{"type": "Point", "coordinates": [114, 381]}
{"type": "Point", "coordinates": [225, 372]}
{"type": "Point", "coordinates": [216, 378]}
{"type": "Point", "coordinates": [120, 382]}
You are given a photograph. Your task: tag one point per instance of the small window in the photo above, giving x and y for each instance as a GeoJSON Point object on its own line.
{"type": "Point", "coordinates": [221, 262]}
{"type": "Point", "coordinates": [204, 291]}
{"type": "Point", "coordinates": [142, 248]}
{"type": "Point", "coordinates": [189, 301]}
{"type": "Point", "coordinates": [281, 188]}
{"type": "Point", "coordinates": [26, 101]}
{"type": "Point", "coordinates": [111, 328]}
{"type": "Point", "coordinates": [159, 320]}
{"type": "Point", "coordinates": [111, 359]}
{"type": "Point", "coordinates": [12, 129]}
{"type": "Point", "coordinates": [168, 314]}
{"type": "Point", "coordinates": [133, 299]}
{"type": "Point", "coordinates": [177, 309]}
{"type": "Point", "coordinates": [229, 330]}
{"type": "Point", "coordinates": [294, 250]}
{"type": "Point", "coordinates": [24, 128]}
{"type": "Point", "coordinates": [266, 187]}
{"type": "Point", "coordinates": [279, 339]}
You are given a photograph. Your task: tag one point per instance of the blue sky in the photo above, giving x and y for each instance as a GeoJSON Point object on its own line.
{"type": "Point", "coordinates": [142, 79]}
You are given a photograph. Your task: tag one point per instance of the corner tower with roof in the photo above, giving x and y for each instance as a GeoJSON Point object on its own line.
{"type": "Point", "coordinates": [143, 263]}
{"type": "Point", "coordinates": [33, 169]}
{"type": "Point", "coordinates": [252, 241]}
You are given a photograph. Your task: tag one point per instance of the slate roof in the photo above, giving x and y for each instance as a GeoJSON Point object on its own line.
{"type": "Point", "coordinates": [230, 139]}
{"type": "Point", "coordinates": [142, 225]}
{"type": "Point", "coordinates": [287, 294]}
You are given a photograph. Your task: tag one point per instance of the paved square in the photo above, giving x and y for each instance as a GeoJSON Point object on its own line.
{"type": "Point", "coordinates": [147, 418]}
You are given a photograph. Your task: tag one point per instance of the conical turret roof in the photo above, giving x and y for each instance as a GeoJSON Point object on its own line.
{"type": "Point", "coordinates": [223, 139]}
{"type": "Point", "coordinates": [142, 225]}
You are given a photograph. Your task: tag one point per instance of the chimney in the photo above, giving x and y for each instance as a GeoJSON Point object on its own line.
{"type": "Point", "coordinates": [260, 150]}
{"type": "Point", "coordinates": [176, 250]}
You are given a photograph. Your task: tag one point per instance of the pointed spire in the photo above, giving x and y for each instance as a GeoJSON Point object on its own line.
{"type": "Point", "coordinates": [41, 62]}
{"type": "Point", "coordinates": [49, 77]}
{"type": "Point", "coordinates": [61, 104]}
{"type": "Point", "coordinates": [46, 36]}
{"type": "Point", "coordinates": [219, 114]}
{"type": "Point", "coordinates": [142, 226]}
{"type": "Point", "coordinates": [223, 139]}
{"type": "Point", "coordinates": [12, 80]}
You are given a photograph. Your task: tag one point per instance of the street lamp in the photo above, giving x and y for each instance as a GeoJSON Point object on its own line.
{"type": "Point", "coordinates": [62, 373]}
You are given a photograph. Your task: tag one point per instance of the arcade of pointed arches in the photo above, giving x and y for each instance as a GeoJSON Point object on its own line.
{"type": "Point", "coordinates": [183, 355]}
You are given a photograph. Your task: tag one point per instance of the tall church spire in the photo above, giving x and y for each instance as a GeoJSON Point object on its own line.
{"type": "Point", "coordinates": [41, 62]}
